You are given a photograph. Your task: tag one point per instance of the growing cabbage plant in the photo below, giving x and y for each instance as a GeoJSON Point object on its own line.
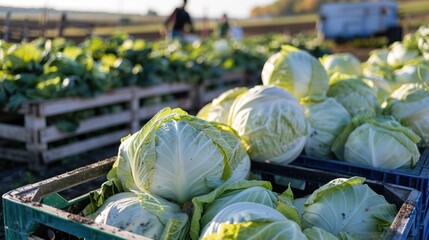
{"type": "Point", "coordinates": [298, 72]}
{"type": "Point", "coordinates": [271, 123]}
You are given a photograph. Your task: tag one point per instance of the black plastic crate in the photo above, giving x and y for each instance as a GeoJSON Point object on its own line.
{"type": "Point", "coordinates": [405, 225]}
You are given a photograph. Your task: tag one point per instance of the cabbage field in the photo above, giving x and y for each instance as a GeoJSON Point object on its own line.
{"type": "Point", "coordinates": [188, 176]}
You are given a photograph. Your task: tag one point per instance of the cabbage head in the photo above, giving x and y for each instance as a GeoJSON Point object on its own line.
{"type": "Point", "coordinates": [423, 40]}
{"type": "Point", "coordinates": [343, 63]}
{"type": "Point", "coordinates": [247, 220]}
{"type": "Point", "coordinates": [399, 55]}
{"type": "Point", "coordinates": [354, 94]}
{"type": "Point", "coordinates": [178, 156]}
{"type": "Point", "coordinates": [298, 72]}
{"type": "Point", "coordinates": [348, 206]}
{"type": "Point", "coordinates": [327, 119]}
{"type": "Point", "coordinates": [271, 123]}
{"type": "Point", "coordinates": [378, 57]}
{"type": "Point", "coordinates": [379, 142]}
{"type": "Point", "coordinates": [409, 104]}
{"type": "Point", "coordinates": [415, 72]}
{"type": "Point", "coordinates": [158, 219]}
{"type": "Point", "coordinates": [207, 206]}
{"type": "Point", "coordinates": [218, 109]}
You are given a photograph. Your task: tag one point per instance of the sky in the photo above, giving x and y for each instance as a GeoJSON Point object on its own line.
{"type": "Point", "coordinates": [197, 8]}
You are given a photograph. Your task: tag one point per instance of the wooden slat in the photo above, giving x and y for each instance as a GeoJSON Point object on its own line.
{"type": "Point", "coordinates": [14, 154]}
{"type": "Point", "coordinates": [233, 76]}
{"type": "Point", "coordinates": [83, 146]}
{"type": "Point", "coordinates": [162, 90]}
{"type": "Point", "coordinates": [149, 111]}
{"type": "Point", "coordinates": [12, 132]}
{"type": "Point", "coordinates": [52, 133]}
{"type": "Point", "coordinates": [55, 107]}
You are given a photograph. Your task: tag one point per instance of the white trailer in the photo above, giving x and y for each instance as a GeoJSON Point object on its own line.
{"type": "Point", "coordinates": [345, 21]}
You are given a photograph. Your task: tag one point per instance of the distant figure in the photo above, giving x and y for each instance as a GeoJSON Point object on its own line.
{"type": "Point", "coordinates": [223, 26]}
{"type": "Point", "coordinates": [179, 22]}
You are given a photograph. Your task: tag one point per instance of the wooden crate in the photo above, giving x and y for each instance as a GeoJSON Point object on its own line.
{"type": "Point", "coordinates": [38, 142]}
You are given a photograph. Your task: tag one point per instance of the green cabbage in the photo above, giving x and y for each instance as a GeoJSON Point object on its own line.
{"type": "Point", "coordinates": [348, 206]}
{"type": "Point", "coordinates": [147, 216]}
{"type": "Point", "coordinates": [343, 63]}
{"type": "Point", "coordinates": [379, 142]}
{"type": "Point", "coordinates": [415, 72]}
{"type": "Point", "coordinates": [251, 221]}
{"type": "Point", "coordinates": [271, 123]}
{"type": "Point", "coordinates": [354, 94]}
{"type": "Point", "coordinates": [298, 72]}
{"type": "Point", "coordinates": [218, 109]}
{"type": "Point", "coordinates": [327, 119]}
{"type": "Point", "coordinates": [178, 156]}
{"type": "Point", "coordinates": [207, 206]}
{"type": "Point", "coordinates": [423, 40]}
{"type": "Point", "coordinates": [409, 104]}
{"type": "Point", "coordinates": [399, 55]}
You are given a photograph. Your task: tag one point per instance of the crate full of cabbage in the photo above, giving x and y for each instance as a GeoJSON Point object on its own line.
{"type": "Point", "coordinates": [181, 177]}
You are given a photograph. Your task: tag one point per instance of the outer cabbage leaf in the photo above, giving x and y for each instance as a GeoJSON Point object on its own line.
{"type": "Point", "coordinates": [410, 105]}
{"type": "Point", "coordinates": [327, 119]}
{"type": "Point", "coordinates": [347, 205]}
{"type": "Point", "coordinates": [238, 160]}
{"type": "Point", "coordinates": [271, 124]}
{"type": "Point", "coordinates": [251, 221]}
{"type": "Point", "coordinates": [298, 72]}
{"type": "Point", "coordinates": [315, 233]}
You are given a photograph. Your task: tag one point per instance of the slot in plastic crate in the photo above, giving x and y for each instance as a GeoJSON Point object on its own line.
{"type": "Point", "coordinates": [417, 178]}
{"type": "Point", "coordinates": [405, 225]}
{"type": "Point", "coordinates": [38, 208]}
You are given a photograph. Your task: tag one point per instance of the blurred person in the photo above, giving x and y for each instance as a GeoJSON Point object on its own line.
{"type": "Point", "coordinates": [178, 23]}
{"type": "Point", "coordinates": [223, 26]}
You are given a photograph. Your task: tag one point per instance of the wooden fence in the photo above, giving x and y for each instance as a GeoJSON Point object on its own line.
{"type": "Point", "coordinates": [23, 30]}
